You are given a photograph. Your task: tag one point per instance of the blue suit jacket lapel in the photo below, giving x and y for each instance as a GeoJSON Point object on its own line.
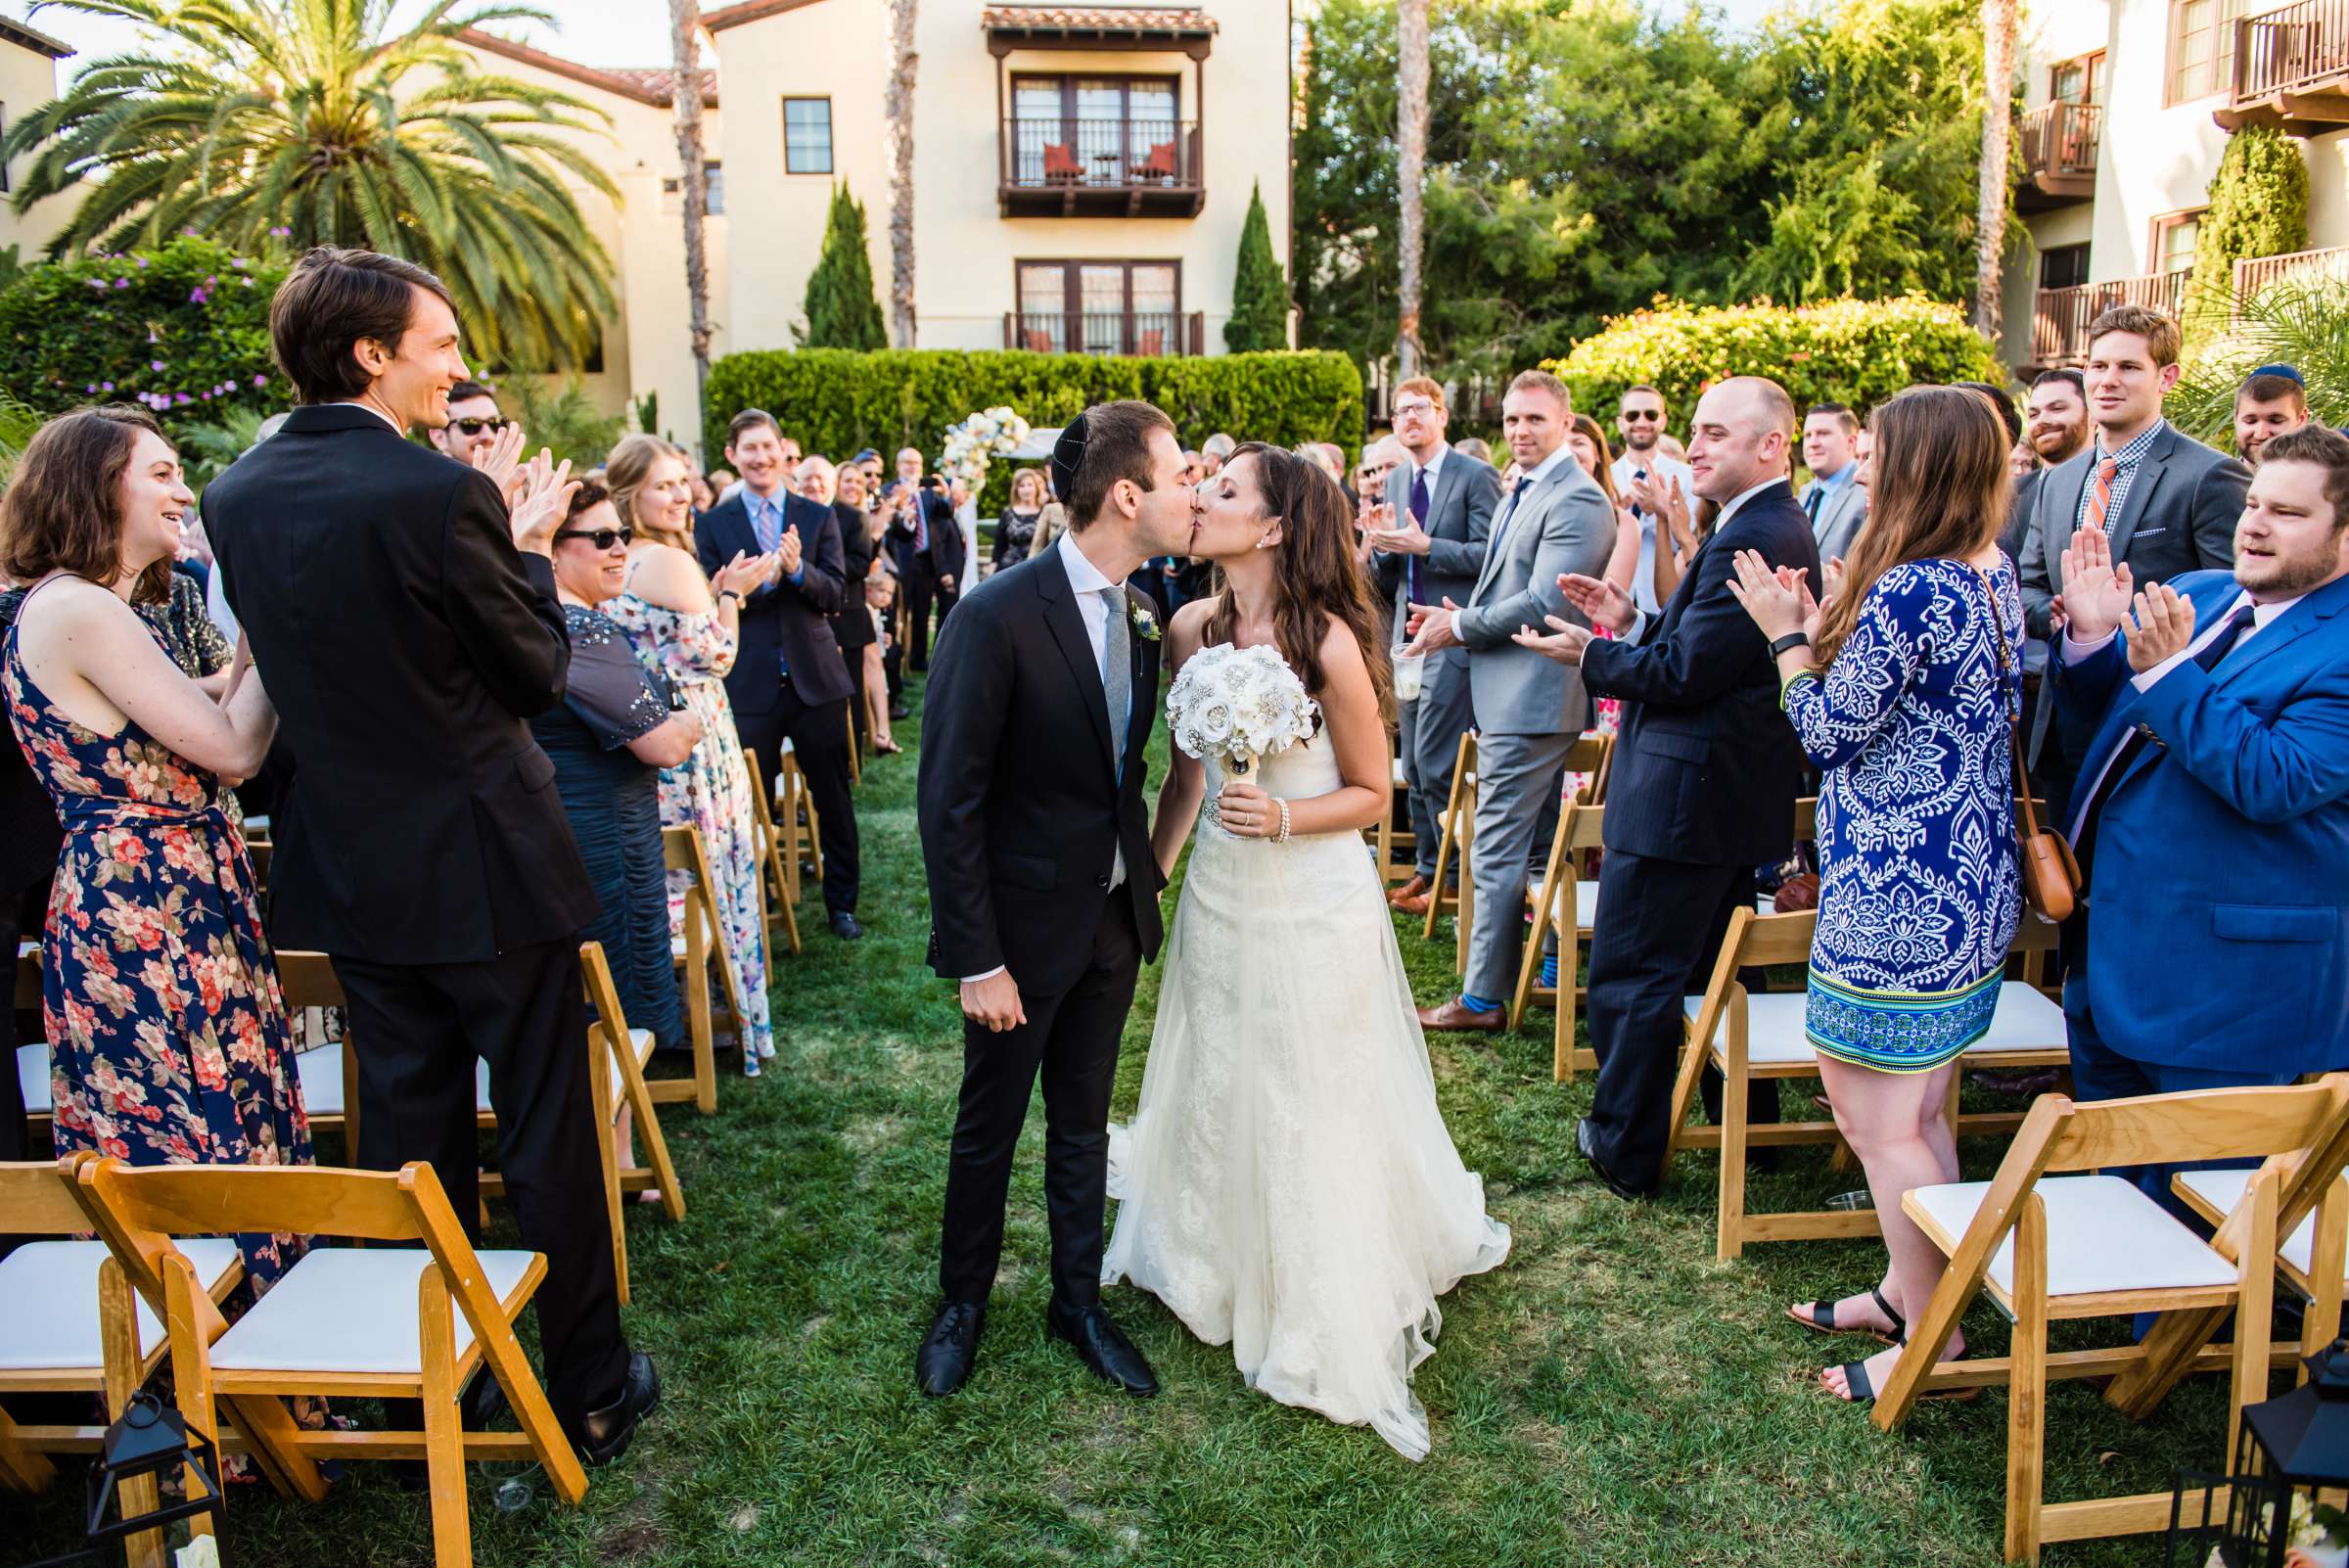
{"type": "Point", "coordinates": [2285, 629]}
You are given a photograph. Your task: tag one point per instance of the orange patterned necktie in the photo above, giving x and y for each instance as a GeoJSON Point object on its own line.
{"type": "Point", "coordinates": [2101, 503]}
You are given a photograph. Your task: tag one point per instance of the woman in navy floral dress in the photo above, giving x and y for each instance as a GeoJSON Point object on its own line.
{"type": "Point", "coordinates": [1904, 693]}
{"type": "Point", "coordinates": [169, 1036]}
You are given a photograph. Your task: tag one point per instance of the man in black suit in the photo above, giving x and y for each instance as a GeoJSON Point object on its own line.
{"type": "Point", "coordinates": [1705, 775]}
{"type": "Point", "coordinates": [788, 681]}
{"type": "Point", "coordinates": [409, 626]}
{"type": "Point", "coordinates": [1043, 890]}
{"type": "Point", "coordinates": [926, 543]}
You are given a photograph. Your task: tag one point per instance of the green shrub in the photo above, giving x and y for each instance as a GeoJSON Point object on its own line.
{"type": "Point", "coordinates": [2258, 206]}
{"type": "Point", "coordinates": [842, 309]}
{"type": "Point", "coordinates": [835, 401]}
{"type": "Point", "coordinates": [1855, 351]}
{"type": "Point", "coordinates": [183, 329]}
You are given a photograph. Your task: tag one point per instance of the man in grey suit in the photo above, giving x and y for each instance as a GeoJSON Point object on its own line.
{"type": "Point", "coordinates": [1438, 514]}
{"type": "Point", "coordinates": [1529, 709]}
{"type": "Point", "coordinates": [2168, 503]}
{"type": "Point", "coordinates": [1833, 501]}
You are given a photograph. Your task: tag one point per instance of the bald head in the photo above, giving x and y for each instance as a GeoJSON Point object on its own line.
{"type": "Point", "coordinates": [1740, 437]}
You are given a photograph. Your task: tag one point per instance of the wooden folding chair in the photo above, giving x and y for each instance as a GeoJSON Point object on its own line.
{"type": "Point", "coordinates": [702, 938]}
{"type": "Point", "coordinates": [777, 884]}
{"type": "Point", "coordinates": [1558, 892]}
{"type": "Point", "coordinates": [2319, 1282]}
{"type": "Point", "coordinates": [1453, 830]}
{"type": "Point", "coordinates": [31, 1065]}
{"type": "Point", "coordinates": [623, 1085]}
{"type": "Point", "coordinates": [855, 753]}
{"type": "Point", "coordinates": [795, 816]}
{"type": "Point", "coordinates": [2051, 1246]}
{"type": "Point", "coordinates": [1386, 837]}
{"type": "Point", "coordinates": [367, 1322]}
{"type": "Point", "coordinates": [1759, 1039]}
{"type": "Point", "coordinates": [74, 1327]}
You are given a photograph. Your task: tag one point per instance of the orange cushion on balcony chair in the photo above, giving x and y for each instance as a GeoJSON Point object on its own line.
{"type": "Point", "coordinates": [1038, 340]}
{"type": "Point", "coordinates": [1153, 343]}
{"type": "Point", "coordinates": [1060, 162]}
{"type": "Point", "coordinates": [1160, 165]}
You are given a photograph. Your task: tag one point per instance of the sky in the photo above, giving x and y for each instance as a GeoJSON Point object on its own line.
{"type": "Point", "coordinates": [595, 32]}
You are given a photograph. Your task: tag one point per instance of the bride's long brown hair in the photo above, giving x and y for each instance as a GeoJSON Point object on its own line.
{"type": "Point", "coordinates": [1315, 579]}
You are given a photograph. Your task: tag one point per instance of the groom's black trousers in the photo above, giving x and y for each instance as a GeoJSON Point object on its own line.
{"type": "Point", "coordinates": [1072, 1037]}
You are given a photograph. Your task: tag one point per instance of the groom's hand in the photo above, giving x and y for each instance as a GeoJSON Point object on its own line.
{"type": "Point", "coordinates": [993, 1001]}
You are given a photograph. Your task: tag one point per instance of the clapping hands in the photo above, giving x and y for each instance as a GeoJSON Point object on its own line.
{"type": "Point", "coordinates": [542, 499]}
{"type": "Point", "coordinates": [1601, 600]}
{"type": "Point", "coordinates": [2162, 627]}
{"type": "Point", "coordinates": [746, 574]}
{"type": "Point", "coordinates": [2095, 591]}
{"type": "Point", "coordinates": [501, 460]}
{"type": "Point", "coordinates": [1780, 601]}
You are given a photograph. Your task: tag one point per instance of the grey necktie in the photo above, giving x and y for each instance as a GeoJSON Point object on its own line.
{"type": "Point", "coordinates": [1117, 670]}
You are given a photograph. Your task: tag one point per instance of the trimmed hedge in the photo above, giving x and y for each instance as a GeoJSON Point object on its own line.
{"type": "Point", "coordinates": [1855, 351]}
{"type": "Point", "coordinates": [183, 329]}
{"type": "Point", "coordinates": [836, 402]}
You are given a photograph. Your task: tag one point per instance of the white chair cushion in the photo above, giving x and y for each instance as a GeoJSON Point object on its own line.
{"type": "Point", "coordinates": [1400, 782]}
{"type": "Point", "coordinates": [50, 1288]}
{"type": "Point", "coordinates": [2224, 1189]}
{"type": "Point", "coordinates": [2103, 1234]}
{"type": "Point", "coordinates": [350, 1309]}
{"type": "Point", "coordinates": [33, 1077]}
{"type": "Point", "coordinates": [2025, 1021]}
{"type": "Point", "coordinates": [320, 1070]}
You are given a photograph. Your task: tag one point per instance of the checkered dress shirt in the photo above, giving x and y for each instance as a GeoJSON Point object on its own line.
{"type": "Point", "coordinates": [2129, 457]}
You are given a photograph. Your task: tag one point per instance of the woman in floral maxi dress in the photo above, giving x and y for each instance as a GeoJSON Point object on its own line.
{"type": "Point", "coordinates": [683, 625]}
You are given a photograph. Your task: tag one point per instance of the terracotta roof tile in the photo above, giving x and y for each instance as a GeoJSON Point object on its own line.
{"type": "Point", "coordinates": [647, 84]}
{"type": "Point", "coordinates": [1101, 18]}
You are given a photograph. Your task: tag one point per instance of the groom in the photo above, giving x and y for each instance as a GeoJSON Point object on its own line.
{"type": "Point", "coordinates": [1043, 890]}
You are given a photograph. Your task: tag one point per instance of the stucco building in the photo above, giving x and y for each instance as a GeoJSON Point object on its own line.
{"type": "Point", "coordinates": [28, 66]}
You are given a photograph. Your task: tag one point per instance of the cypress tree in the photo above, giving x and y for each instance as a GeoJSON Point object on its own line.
{"type": "Point", "coordinates": [2258, 206]}
{"type": "Point", "coordinates": [1259, 294]}
{"type": "Point", "coordinates": [842, 309]}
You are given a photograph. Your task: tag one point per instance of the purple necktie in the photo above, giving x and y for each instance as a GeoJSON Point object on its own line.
{"type": "Point", "coordinates": [1418, 517]}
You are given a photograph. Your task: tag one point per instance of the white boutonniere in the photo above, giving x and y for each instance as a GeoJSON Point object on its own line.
{"type": "Point", "coordinates": [1144, 624]}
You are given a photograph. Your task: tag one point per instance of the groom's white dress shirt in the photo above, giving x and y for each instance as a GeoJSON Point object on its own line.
{"type": "Point", "coordinates": [1088, 585]}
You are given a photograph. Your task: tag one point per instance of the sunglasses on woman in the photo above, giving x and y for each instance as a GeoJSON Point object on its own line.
{"type": "Point", "coordinates": [601, 539]}
{"type": "Point", "coordinates": [473, 426]}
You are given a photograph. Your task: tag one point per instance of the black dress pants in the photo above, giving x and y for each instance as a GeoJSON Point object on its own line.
{"type": "Point", "coordinates": [919, 589]}
{"type": "Point", "coordinates": [1071, 1037]}
{"type": "Point", "coordinates": [1658, 945]}
{"type": "Point", "coordinates": [416, 1030]}
{"type": "Point", "coordinates": [819, 739]}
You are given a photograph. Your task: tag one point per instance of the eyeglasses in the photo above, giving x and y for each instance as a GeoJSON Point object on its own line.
{"type": "Point", "coordinates": [473, 426]}
{"type": "Point", "coordinates": [1417, 406]}
{"type": "Point", "coordinates": [1652, 416]}
{"type": "Point", "coordinates": [601, 539]}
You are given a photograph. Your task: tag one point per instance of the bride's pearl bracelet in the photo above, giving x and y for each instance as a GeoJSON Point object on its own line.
{"type": "Point", "coordinates": [1283, 836]}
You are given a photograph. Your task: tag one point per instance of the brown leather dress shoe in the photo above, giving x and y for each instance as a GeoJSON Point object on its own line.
{"type": "Point", "coordinates": [1457, 1015]}
{"type": "Point", "coordinates": [1416, 907]}
{"type": "Point", "coordinates": [1417, 888]}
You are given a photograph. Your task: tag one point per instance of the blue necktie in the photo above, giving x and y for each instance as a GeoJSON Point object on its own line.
{"type": "Point", "coordinates": [766, 526]}
{"type": "Point", "coordinates": [1419, 515]}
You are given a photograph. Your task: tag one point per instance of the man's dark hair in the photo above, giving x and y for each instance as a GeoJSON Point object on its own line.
{"type": "Point", "coordinates": [751, 419]}
{"type": "Point", "coordinates": [2328, 449]}
{"type": "Point", "coordinates": [334, 299]}
{"type": "Point", "coordinates": [2064, 372]}
{"type": "Point", "coordinates": [1117, 447]}
{"type": "Point", "coordinates": [2273, 389]}
{"type": "Point", "coordinates": [467, 390]}
{"type": "Point", "coordinates": [1842, 412]}
{"type": "Point", "coordinates": [2004, 401]}
{"type": "Point", "coordinates": [1644, 387]}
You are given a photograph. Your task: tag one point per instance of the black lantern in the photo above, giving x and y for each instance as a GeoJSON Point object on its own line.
{"type": "Point", "coordinates": [2290, 1449]}
{"type": "Point", "coordinates": [153, 1440]}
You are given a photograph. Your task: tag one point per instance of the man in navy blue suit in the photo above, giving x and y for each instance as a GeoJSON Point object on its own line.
{"type": "Point", "coordinates": [2212, 819]}
{"type": "Point", "coordinates": [787, 681]}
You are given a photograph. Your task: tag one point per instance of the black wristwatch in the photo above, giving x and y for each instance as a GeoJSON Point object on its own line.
{"type": "Point", "coordinates": [1792, 639]}
{"type": "Point", "coordinates": [730, 593]}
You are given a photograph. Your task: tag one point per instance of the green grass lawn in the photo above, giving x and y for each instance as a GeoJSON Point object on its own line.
{"type": "Point", "coordinates": [1611, 1397]}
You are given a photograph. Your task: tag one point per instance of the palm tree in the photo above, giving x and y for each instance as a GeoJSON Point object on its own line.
{"type": "Point", "coordinates": [1410, 173]}
{"type": "Point", "coordinates": [902, 62]}
{"type": "Point", "coordinates": [684, 26]}
{"type": "Point", "coordinates": [273, 124]}
{"type": "Point", "coordinates": [1996, 186]}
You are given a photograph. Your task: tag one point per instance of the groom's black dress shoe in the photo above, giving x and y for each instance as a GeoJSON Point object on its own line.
{"type": "Point", "coordinates": [605, 1434]}
{"type": "Point", "coordinates": [1101, 1345]}
{"type": "Point", "coordinates": [943, 1362]}
{"type": "Point", "coordinates": [1614, 1183]}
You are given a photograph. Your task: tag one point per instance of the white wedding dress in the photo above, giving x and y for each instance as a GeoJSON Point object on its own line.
{"type": "Point", "coordinates": [1287, 1186]}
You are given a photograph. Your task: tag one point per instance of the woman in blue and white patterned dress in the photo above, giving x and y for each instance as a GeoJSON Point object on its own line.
{"type": "Point", "coordinates": [1902, 692]}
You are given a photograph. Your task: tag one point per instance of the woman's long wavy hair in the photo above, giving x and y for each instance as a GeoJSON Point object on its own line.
{"type": "Point", "coordinates": [1605, 472]}
{"type": "Point", "coordinates": [1316, 579]}
{"type": "Point", "coordinates": [1939, 491]}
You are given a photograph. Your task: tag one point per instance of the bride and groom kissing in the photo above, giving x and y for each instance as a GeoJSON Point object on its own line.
{"type": "Point", "coordinates": [1287, 1186]}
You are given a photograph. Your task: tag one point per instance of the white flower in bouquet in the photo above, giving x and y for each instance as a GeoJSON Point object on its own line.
{"type": "Point", "coordinates": [1238, 705]}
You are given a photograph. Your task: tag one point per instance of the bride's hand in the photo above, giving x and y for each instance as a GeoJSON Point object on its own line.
{"type": "Point", "coordinates": [1248, 812]}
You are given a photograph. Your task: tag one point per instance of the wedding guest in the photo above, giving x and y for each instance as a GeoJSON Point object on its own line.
{"type": "Point", "coordinates": [1705, 775]}
{"type": "Point", "coordinates": [170, 1038]}
{"type": "Point", "coordinates": [1833, 502]}
{"type": "Point", "coordinates": [473, 424]}
{"type": "Point", "coordinates": [2273, 399]}
{"type": "Point", "coordinates": [1051, 522]}
{"type": "Point", "coordinates": [1216, 451]}
{"type": "Point", "coordinates": [1328, 458]}
{"type": "Point", "coordinates": [926, 543]}
{"type": "Point", "coordinates": [1588, 444]}
{"type": "Point", "coordinates": [703, 497]}
{"type": "Point", "coordinates": [1016, 533]}
{"type": "Point", "coordinates": [817, 480]}
{"type": "Point", "coordinates": [1903, 690]}
{"type": "Point", "coordinates": [787, 681]}
{"type": "Point", "coordinates": [613, 730]}
{"type": "Point", "coordinates": [1529, 709]}
{"type": "Point", "coordinates": [1437, 514]}
{"type": "Point", "coordinates": [413, 655]}
{"type": "Point", "coordinates": [2165, 502]}
{"type": "Point", "coordinates": [1475, 446]}
{"type": "Point", "coordinates": [687, 628]}
{"type": "Point", "coordinates": [2055, 425]}
{"type": "Point", "coordinates": [853, 626]}
{"type": "Point", "coordinates": [1644, 477]}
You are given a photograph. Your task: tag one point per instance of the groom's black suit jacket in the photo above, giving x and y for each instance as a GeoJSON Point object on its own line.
{"type": "Point", "coordinates": [1022, 804]}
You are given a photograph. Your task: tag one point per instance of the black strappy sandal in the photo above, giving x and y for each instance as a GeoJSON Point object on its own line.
{"type": "Point", "coordinates": [1822, 1320]}
{"type": "Point", "coordinates": [1854, 1378]}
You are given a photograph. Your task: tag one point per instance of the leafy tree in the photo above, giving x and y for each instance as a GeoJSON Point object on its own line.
{"type": "Point", "coordinates": [1259, 294]}
{"type": "Point", "coordinates": [2299, 321]}
{"type": "Point", "coordinates": [280, 125]}
{"type": "Point", "coordinates": [562, 418]}
{"type": "Point", "coordinates": [842, 309]}
{"type": "Point", "coordinates": [2258, 206]}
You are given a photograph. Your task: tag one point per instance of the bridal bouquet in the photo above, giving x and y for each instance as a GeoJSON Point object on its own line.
{"type": "Point", "coordinates": [972, 444]}
{"type": "Point", "coordinates": [1238, 704]}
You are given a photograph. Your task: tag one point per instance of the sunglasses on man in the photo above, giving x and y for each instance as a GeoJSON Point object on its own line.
{"type": "Point", "coordinates": [473, 426]}
{"type": "Point", "coordinates": [1650, 416]}
{"type": "Point", "coordinates": [601, 539]}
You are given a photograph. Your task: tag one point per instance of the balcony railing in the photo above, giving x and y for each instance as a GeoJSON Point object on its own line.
{"type": "Point", "coordinates": [2292, 67]}
{"type": "Point", "coordinates": [2059, 154]}
{"type": "Point", "coordinates": [1142, 334]}
{"type": "Point", "coordinates": [1101, 168]}
{"type": "Point", "coordinates": [2060, 317]}
{"type": "Point", "coordinates": [2329, 266]}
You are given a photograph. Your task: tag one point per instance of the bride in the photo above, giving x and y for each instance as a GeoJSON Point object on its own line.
{"type": "Point", "coordinates": [1288, 1185]}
